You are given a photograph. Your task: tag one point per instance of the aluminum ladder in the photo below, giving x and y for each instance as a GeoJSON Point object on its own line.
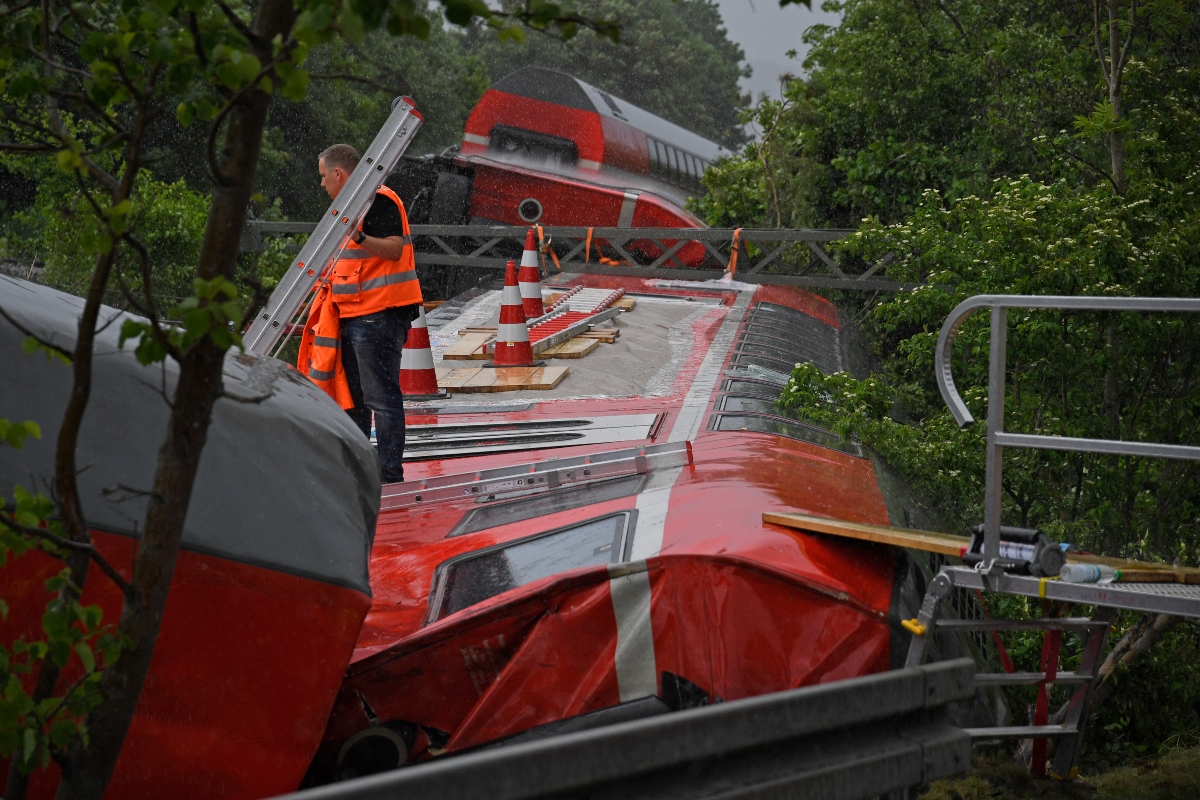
{"type": "Point", "coordinates": [268, 333]}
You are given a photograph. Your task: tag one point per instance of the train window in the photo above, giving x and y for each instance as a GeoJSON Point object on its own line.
{"type": "Point", "coordinates": [756, 405]}
{"type": "Point", "coordinates": [472, 578]}
{"type": "Point", "coordinates": [676, 167]}
{"type": "Point", "coordinates": [791, 429]}
{"type": "Point", "coordinates": [494, 514]}
{"type": "Point", "coordinates": [548, 150]}
{"type": "Point", "coordinates": [753, 388]}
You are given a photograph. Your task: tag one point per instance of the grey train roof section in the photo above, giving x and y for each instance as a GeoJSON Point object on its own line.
{"type": "Point", "coordinates": [557, 87]}
{"type": "Point", "coordinates": [286, 482]}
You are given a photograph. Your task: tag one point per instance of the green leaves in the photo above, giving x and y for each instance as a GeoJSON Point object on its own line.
{"type": "Point", "coordinates": [235, 68]}
{"type": "Point", "coordinates": [1101, 122]}
{"type": "Point", "coordinates": [14, 434]}
{"type": "Point", "coordinates": [72, 638]}
{"type": "Point", "coordinates": [210, 313]}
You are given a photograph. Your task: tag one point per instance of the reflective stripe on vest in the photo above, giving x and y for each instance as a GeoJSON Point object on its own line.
{"type": "Point", "coordinates": [374, 283]}
{"type": "Point", "coordinates": [321, 375]}
{"type": "Point", "coordinates": [364, 284]}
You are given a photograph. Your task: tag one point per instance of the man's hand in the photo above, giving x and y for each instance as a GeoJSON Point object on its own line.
{"type": "Point", "coordinates": [389, 247]}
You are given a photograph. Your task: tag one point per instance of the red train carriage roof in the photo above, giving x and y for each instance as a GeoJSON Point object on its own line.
{"type": "Point", "coordinates": [574, 124]}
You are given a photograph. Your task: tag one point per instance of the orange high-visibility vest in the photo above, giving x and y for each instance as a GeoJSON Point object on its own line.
{"type": "Point", "coordinates": [320, 356]}
{"type": "Point", "coordinates": [363, 283]}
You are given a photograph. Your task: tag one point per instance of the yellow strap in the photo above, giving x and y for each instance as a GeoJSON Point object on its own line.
{"type": "Point", "coordinates": [587, 248]}
{"type": "Point", "coordinates": [1042, 586]}
{"type": "Point", "coordinates": [911, 625]}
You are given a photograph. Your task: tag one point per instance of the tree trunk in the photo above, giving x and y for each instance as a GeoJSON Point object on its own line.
{"type": "Point", "coordinates": [1116, 145]}
{"type": "Point", "coordinates": [87, 771]}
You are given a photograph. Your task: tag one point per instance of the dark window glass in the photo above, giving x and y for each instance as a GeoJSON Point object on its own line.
{"type": "Point", "coordinates": [767, 391]}
{"type": "Point", "coordinates": [553, 150]}
{"type": "Point", "coordinates": [792, 429]}
{"type": "Point", "coordinates": [472, 578]}
{"type": "Point", "coordinates": [770, 361]}
{"type": "Point", "coordinates": [757, 405]}
{"type": "Point", "coordinates": [495, 514]}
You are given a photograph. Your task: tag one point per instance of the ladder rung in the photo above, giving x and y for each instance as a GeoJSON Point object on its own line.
{"type": "Point", "coordinates": [1022, 732]}
{"type": "Point", "coordinates": [1051, 624]}
{"type": "Point", "coordinates": [1027, 678]}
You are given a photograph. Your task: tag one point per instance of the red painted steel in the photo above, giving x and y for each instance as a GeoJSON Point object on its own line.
{"type": "Point", "coordinates": [245, 671]}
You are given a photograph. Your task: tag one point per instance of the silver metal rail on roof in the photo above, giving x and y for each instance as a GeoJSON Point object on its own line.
{"type": "Point", "coordinates": [329, 236]}
{"type": "Point", "coordinates": [997, 439]}
{"type": "Point", "coordinates": [551, 473]}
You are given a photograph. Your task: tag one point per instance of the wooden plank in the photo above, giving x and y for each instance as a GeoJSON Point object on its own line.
{"type": "Point", "coordinates": [606, 335]}
{"type": "Point", "coordinates": [546, 377]}
{"type": "Point", "coordinates": [455, 378]}
{"type": "Point", "coordinates": [468, 347]}
{"type": "Point", "coordinates": [930, 541]}
{"type": "Point", "coordinates": [498, 379]}
{"type": "Point", "coordinates": [577, 347]}
{"type": "Point", "coordinates": [627, 303]}
{"type": "Point", "coordinates": [948, 544]}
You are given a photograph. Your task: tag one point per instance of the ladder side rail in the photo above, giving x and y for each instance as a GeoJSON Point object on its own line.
{"type": "Point", "coordinates": [997, 439]}
{"type": "Point", "coordinates": [339, 221]}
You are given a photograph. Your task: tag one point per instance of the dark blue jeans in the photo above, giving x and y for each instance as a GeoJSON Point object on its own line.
{"type": "Point", "coordinates": [371, 349]}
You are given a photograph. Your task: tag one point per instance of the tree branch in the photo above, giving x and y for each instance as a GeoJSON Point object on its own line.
{"type": "Point", "coordinates": [241, 26]}
{"type": "Point", "coordinates": [69, 544]}
{"type": "Point", "coordinates": [1128, 41]}
{"type": "Point", "coordinates": [48, 345]}
{"type": "Point", "coordinates": [1099, 46]}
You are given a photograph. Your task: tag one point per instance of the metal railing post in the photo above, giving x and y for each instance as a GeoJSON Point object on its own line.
{"type": "Point", "coordinates": [997, 368]}
{"type": "Point", "coordinates": [997, 439]}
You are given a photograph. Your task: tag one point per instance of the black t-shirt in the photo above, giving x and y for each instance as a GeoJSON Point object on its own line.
{"type": "Point", "coordinates": [383, 219]}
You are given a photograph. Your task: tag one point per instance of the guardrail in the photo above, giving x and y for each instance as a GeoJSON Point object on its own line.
{"type": "Point", "coordinates": [765, 255]}
{"type": "Point", "coordinates": [838, 741]}
{"type": "Point", "coordinates": [997, 439]}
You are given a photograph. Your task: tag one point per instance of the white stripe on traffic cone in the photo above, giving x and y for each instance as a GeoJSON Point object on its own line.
{"type": "Point", "coordinates": [418, 379]}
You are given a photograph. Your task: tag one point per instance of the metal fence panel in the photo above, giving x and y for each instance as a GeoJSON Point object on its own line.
{"type": "Point", "coordinates": [765, 255]}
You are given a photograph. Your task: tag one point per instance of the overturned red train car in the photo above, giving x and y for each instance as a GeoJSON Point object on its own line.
{"type": "Point", "coordinates": [565, 559]}
{"type": "Point", "coordinates": [271, 585]}
{"type": "Point", "coordinates": [542, 147]}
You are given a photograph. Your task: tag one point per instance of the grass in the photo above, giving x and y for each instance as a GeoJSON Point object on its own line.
{"type": "Point", "coordinates": [993, 776]}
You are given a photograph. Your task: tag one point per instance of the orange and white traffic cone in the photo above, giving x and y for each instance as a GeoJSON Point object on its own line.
{"type": "Point", "coordinates": [418, 380]}
{"type": "Point", "coordinates": [512, 347]}
{"type": "Point", "coordinates": [530, 279]}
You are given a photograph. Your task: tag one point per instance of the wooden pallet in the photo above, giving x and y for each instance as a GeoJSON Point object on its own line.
{"type": "Point", "coordinates": [577, 347]}
{"type": "Point", "coordinates": [469, 347]}
{"type": "Point", "coordinates": [467, 380]}
{"type": "Point", "coordinates": [606, 335]}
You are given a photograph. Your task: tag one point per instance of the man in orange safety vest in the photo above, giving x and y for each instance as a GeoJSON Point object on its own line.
{"type": "Point", "coordinates": [360, 319]}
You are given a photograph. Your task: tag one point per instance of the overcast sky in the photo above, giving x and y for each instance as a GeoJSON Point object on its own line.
{"type": "Point", "coordinates": [766, 32]}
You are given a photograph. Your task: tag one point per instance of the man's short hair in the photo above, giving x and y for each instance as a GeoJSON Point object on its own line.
{"type": "Point", "coordinates": [340, 156]}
